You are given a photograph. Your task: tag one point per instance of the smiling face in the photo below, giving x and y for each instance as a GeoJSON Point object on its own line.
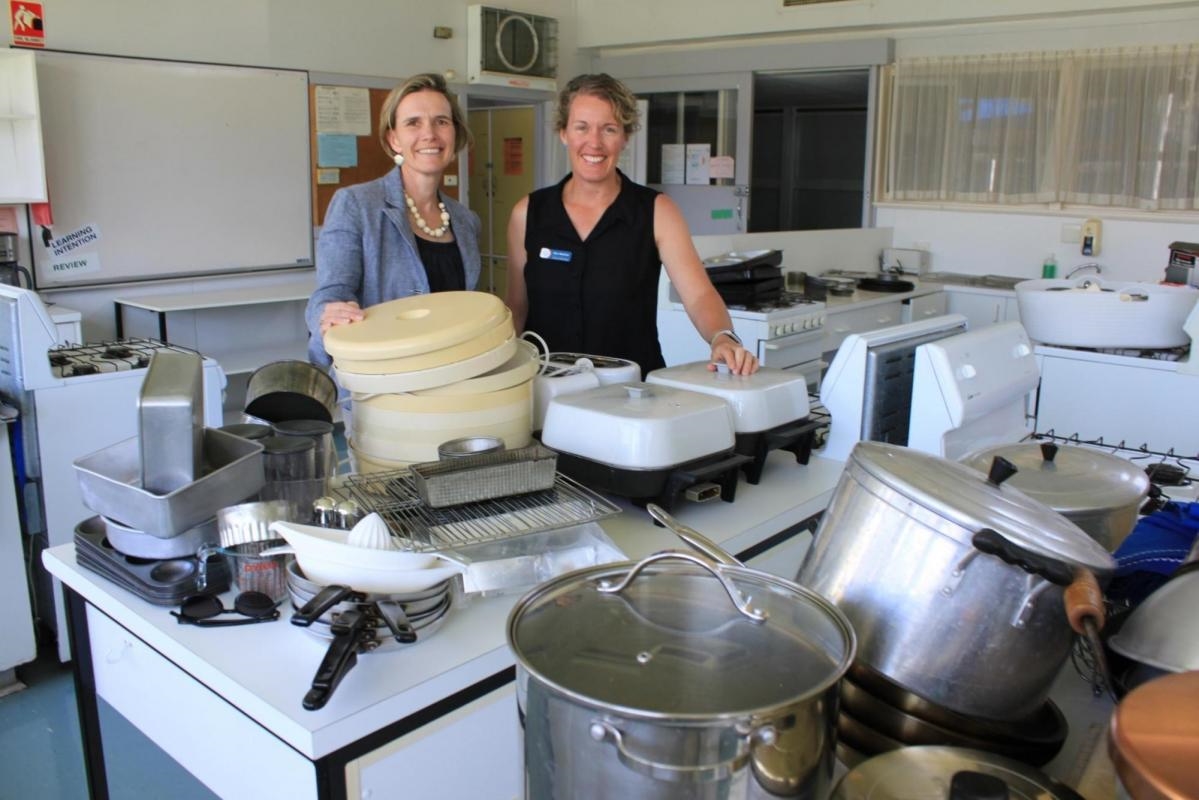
{"type": "Point", "coordinates": [594, 138]}
{"type": "Point", "coordinates": [424, 132]}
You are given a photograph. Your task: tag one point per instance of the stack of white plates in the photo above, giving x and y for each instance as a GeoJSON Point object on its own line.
{"type": "Point", "coordinates": [429, 368]}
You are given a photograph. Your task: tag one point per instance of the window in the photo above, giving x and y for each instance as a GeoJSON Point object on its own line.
{"type": "Point", "coordinates": [1108, 128]}
{"type": "Point", "coordinates": [707, 117]}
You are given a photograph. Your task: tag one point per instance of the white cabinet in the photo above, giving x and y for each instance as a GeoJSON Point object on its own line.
{"type": "Point", "coordinates": [982, 308]}
{"type": "Point", "coordinates": [839, 324]}
{"type": "Point", "coordinates": [925, 306]}
{"type": "Point", "coordinates": [22, 166]}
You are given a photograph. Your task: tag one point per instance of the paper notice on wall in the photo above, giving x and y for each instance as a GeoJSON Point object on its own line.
{"type": "Point", "coordinates": [28, 23]}
{"type": "Point", "coordinates": [698, 156]}
{"type": "Point", "coordinates": [336, 150]}
{"type": "Point", "coordinates": [674, 161]}
{"type": "Point", "coordinates": [343, 109]}
{"type": "Point", "coordinates": [721, 167]}
{"type": "Point", "coordinates": [77, 263]}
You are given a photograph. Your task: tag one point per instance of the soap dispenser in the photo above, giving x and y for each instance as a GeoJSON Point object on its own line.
{"type": "Point", "coordinates": [1049, 267]}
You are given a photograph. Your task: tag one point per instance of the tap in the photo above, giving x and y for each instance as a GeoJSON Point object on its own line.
{"type": "Point", "coordinates": [1089, 265]}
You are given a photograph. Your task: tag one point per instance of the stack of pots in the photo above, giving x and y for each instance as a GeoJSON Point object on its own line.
{"type": "Point", "coordinates": [429, 368]}
{"type": "Point", "coordinates": [953, 580]}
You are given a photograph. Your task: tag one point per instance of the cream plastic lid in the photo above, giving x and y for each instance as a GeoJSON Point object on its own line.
{"type": "Point", "coordinates": [414, 325]}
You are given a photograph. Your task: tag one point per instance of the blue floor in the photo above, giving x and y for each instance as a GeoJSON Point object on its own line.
{"type": "Point", "coordinates": [41, 756]}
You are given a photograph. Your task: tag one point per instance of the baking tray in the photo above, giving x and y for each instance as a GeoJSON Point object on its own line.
{"type": "Point", "coordinates": [516, 564]}
{"type": "Point", "coordinates": [110, 482]}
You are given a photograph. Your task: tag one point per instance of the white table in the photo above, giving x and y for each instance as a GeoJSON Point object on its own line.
{"type": "Point", "coordinates": [437, 720]}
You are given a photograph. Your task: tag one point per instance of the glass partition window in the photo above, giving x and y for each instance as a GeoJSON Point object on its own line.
{"type": "Point", "coordinates": [682, 118]}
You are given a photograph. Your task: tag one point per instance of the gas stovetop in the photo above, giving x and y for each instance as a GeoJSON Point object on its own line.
{"type": "Point", "coordinates": [786, 301]}
{"type": "Point", "coordinates": [102, 357]}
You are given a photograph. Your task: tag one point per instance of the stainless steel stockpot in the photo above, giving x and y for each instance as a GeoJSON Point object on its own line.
{"type": "Point", "coordinates": [1099, 492]}
{"type": "Point", "coordinates": [677, 677]}
{"type": "Point", "coordinates": [952, 579]}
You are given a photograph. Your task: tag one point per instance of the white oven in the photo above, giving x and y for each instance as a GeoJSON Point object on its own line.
{"type": "Point", "coordinates": [72, 400]}
{"type": "Point", "coordinates": [785, 334]}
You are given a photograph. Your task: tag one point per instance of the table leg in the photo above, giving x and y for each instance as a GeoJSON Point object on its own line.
{"type": "Point", "coordinates": [85, 696]}
{"type": "Point", "coordinates": [119, 314]}
{"type": "Point", "coordinates": [162, 327]}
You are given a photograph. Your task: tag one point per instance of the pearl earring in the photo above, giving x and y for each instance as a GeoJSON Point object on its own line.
{"type": "Point", "coordinates": [399, 159]}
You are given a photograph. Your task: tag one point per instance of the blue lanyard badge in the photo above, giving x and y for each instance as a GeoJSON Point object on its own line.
{"type": "Point", "coordinates": [555, 255]}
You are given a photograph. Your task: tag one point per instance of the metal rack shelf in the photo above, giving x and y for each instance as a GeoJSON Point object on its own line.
{"type": "Point", "coordinates": [394, 497]}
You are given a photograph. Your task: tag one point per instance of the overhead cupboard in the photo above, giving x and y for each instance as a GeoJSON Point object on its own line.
{"type": "Point", "coordinates": [22, 175]}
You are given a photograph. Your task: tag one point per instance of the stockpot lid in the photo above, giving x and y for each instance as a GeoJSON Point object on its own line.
{"type": "Point", "coordinates": [966, 498]}
{"type": "Point", "coordinates": [1068, 479]}
{"type": "Point", "coordinates": [672, 644]}
{"type": "Point", "coordinates": [930, 772]}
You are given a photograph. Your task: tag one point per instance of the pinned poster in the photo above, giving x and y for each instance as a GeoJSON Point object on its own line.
{"type": "Point", "coordinates": [698, 156]}
{"type": "Point", "coordinates": [673, 162]}
{"type": "Point", "coordinates": [721, 166]}
{"type": "Point", "coordinates": [28, 27]}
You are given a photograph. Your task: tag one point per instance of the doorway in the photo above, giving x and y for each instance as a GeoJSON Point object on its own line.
{"type": "Point", "coordinates": [810, 150]}
{"type": "Point", "coordinates": [501, 171]}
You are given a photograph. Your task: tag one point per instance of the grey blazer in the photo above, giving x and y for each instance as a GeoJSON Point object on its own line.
{"type": "Point", "coordinates": [367, 251]}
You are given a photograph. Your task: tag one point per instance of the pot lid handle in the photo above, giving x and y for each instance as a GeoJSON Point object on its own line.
{"type": "Point", "coordinates": [1048, 451]}
{"type": "Point", "coordinates": [1001, 470]}
{"type": "Point", "coordinates": [970, 785]}
{"type": "Point", "coordinates": [742, 605]}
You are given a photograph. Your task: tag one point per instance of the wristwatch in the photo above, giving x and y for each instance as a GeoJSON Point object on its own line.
{"type": "Point", "coordinates": [725, 332]}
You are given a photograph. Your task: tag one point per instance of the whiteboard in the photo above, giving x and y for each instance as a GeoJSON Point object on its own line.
{"type": "Point", "coordinates": [166, 169]}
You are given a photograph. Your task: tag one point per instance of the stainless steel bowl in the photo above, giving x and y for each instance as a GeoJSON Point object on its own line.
{"type": "Point", "coordinates": [1163, 631]}
{"type": "Point", "coordinates": [469, 446]}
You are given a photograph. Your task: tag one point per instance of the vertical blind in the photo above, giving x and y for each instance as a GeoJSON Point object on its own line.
{"type": "Point", "coordinates": [1105, 128]}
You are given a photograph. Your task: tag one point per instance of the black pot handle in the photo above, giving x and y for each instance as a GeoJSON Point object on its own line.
{"type": "Point", "coordinates": [1048, 451]}
{"type": "Point", "coordinates": [339, 659]}
{"type": "Point", "coordinates": [993, 543]}
{"type": "Point", "coordinates": [392, 614]}
{"type": "Point", "coordinates": [1001, 470]}
{"type": "Point", "coordinates": [321, 602]}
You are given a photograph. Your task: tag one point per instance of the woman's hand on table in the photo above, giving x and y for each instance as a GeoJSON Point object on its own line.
{"type": "Point", "coordinates": [339, 314]}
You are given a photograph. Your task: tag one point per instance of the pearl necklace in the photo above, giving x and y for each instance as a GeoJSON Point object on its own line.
{"type": "Point", "coordinates": [436, 233]}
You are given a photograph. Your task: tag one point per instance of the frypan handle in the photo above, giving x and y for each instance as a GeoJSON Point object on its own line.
{"type": "Point", "coordinates": [339, 659]}
{"type": "Point", "coordinates": [321, 602]}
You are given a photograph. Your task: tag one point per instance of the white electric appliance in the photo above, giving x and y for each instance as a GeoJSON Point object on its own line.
{"type": "Point", "coordinates": [973, 391]}
{"type": "Point", "coordinates": [73, 400]}
{"type": "Point", "coordinates": [868, 387]}
{"type": "Point", "coordinates": [787, 333]}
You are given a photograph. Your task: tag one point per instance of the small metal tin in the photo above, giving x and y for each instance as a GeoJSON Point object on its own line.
{"type": "Point", "coordinates": [324, 512]}
{"type": "Point", "coordinates": [348, 513]}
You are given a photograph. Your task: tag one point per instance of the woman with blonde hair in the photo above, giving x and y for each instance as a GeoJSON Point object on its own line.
{"type": "Point", "coordinates": [397, 235]}
{"type": "Point", "coordinates": [584, 255]}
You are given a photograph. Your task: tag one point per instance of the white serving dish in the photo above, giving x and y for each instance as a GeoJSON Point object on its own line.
{"type": "Point", "coordinates": [608, 370]}
{"type": "Point", "coordinates": [638, 425]}
{"type": "Point", "coordinates": [767, 399]}
{"type": "Point", "coordinates": [1091, 312]}
{"type": "Point", "coordinates": [326, 559]}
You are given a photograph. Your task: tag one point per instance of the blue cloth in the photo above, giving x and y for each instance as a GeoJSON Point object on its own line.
{"type": "Point", "coordinates": [368, 253]}
{"type": "Point", "coordinates": [1160, 541]}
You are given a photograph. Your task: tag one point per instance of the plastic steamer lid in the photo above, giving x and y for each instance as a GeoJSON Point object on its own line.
{"type": "Point", "coordinates": [945, 772]}
{"type": "Point", "coordinates": [973, 502]}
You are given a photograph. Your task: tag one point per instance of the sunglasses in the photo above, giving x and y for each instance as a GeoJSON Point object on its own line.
{"type": "Point", "coordinates": [200, 609]}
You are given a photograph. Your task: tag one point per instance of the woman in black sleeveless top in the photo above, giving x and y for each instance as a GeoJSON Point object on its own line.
{"type": "Point", "coordinates": [584, 255]}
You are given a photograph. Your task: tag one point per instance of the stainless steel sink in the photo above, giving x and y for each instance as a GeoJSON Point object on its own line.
{"type": "Point", "coordinates": [985, 281]}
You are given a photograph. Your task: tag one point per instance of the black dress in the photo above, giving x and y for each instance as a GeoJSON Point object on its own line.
{"type": "Point", "coordinates": [597, 296]}
{"type": "Point", "coordinates": [443, 265]}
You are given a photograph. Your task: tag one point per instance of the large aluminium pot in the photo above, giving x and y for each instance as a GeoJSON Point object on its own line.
{"type": "Point", "coordinates": [953, 580]}
{"type": "Point", "coordinates": [1099, 492]}
{"type": "Point", "coordinates": [662, 680]}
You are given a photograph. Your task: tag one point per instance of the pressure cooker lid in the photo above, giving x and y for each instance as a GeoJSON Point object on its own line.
{"type": "Point", "coordinates": [946, 772]}
{"type": "Point", "coordinates": [672, 642]}
{"type": "Point", "coordinates": [1068, 479]}
{"type": "Point", "coordinates": [973, 501]}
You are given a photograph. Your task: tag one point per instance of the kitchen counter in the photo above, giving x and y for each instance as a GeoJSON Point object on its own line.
{"type": "Point", "coordinates": [242, 686]}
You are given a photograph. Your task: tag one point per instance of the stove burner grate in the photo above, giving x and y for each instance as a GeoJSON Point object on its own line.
{"type": "Point", "coordinates": [114, 356]}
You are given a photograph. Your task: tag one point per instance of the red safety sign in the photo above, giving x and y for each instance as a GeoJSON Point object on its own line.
{"type": "Point", "coordinates": [28, 27]}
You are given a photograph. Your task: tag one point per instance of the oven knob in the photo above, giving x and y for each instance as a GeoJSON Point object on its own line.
{"type": "Point", "coordinates": [967, 371]}
{"type": "Point", "coordinates": [804, 324]}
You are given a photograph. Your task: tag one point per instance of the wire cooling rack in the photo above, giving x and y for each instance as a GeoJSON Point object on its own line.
{"type": "Point", "coordinates": [393, 495]}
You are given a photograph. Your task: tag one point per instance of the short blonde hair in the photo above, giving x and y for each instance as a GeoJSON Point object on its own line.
{"type": "Point", "coordinates": [425, 82]}
{"type": "Point", "coordinates": [605, 87]}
